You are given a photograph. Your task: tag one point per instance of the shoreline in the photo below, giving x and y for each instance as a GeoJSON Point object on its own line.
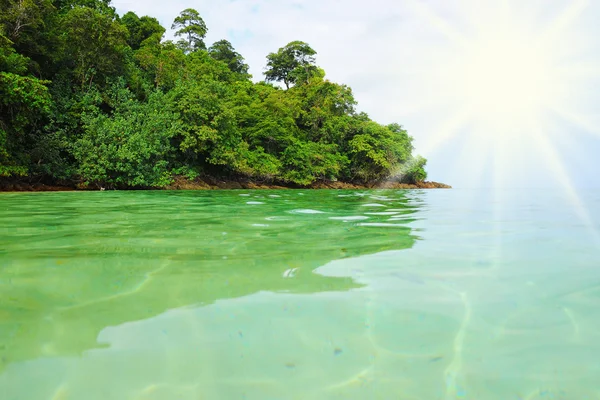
{"type": "Point", "coordinates": [216, 184]}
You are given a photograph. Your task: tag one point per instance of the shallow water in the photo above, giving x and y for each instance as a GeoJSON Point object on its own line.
{"type": "Point", "coordinates": [449, 294]}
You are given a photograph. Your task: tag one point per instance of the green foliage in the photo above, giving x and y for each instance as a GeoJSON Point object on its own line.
{"type": "Point", "coordinates": [260, 165]}
{"type": "Point", "coordinates": [22, 99]}
{"type": "Point", "coordinates": [413, 171]}
{"type": "Point", "coordinates": [141, 29]}
{"type": "Point", "coordinates": [294, 63]}
{"type": "Point", "coordinates": [21, 17]}
{"type": "Point", "coordinates": [92, 44]}
{"type": "Point", "coordinates": [325, 107]}
{"type": "Point", "coordinates": [307, 162]}
{"type": "Point", "coordinates": [102, 6]}
{"type": "Point", "coordinates": [209, 132]}
{"type": "Point", "coordinates": [24, 102]}
{"type": "Point", "coordinates": [92, 98]}
{"type": "Point", "coordinates": [8, 166]}
{"type": "Point", "coordinates": [10, 60]}
{"type": "Point", "coordinates": [162, 63]}
{"type": "Point", "coordinates": [376, 151]}
{"type": "Point", "coordinates": [131, 147]}
{"type": "Point", "coordinates": [190, 24]}
{"type": "Point", "coordinates": [186, 171]}
{"type": "Point", "coordinates": [224, 51]}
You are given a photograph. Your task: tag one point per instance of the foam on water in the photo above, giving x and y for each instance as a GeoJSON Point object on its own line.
{"type": "Point", "coordinates": [350, 218]}
{"type": "Point", "coordinates": [306, 211]}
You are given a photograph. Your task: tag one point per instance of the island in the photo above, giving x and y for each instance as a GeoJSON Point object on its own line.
{"type": "Point", "coordinates": [90, 99]}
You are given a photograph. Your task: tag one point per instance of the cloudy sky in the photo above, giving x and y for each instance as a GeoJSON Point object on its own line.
{"type": "Point", "coordinates": [495, 92]}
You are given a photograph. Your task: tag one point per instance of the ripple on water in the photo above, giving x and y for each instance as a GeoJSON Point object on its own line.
{"type": "Point", "coordinates": [254, 202]}
{"type": "Point", "coordinates": [382, 213]}
{"type": "Point", "coordinates": [381, 198]}
{"type": "Point", "coordinates": [372, 205]}
{"type": "Point", "coordinates": [306, 211]}
{"type": "Point", "coordinates": [276, 218]}
{"type": "Point", "coordinates": [350, 218]}
{"type": "Point", "coordinates": [408, 218]}
{"type": "Point", "coordinates": [380, 224]}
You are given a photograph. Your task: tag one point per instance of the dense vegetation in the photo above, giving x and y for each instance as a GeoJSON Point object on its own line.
{"type": "Point", "coordinates": [97, 99]}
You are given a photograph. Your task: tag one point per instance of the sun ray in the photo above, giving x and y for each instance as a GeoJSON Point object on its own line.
{"type": "Point", "coordinates": [476, 8]}
{"type": "Point", "coordinates": [506, 69]}
{"type": "Point", "coordinates": [557, 166]}
{"type": "Point", "coordinates": [577, 119]}
{"type": "Point", "coordinates": [582, 70]}
{"type": "Point", "coordinates": [498, 208]}
{"type": "Point", "coordinates": [446, 131]}
{"type": "Point", "coordinates": [565, 19]}
{"type": "Point", "coordinates": [481, 158]}
{"type": "Point", "coordinates": [435, 21]}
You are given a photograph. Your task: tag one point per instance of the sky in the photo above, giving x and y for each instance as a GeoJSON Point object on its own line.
{"type": "Point", "coordinates": [502, 93]}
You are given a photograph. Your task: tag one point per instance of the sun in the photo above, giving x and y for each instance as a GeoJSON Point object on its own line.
{"type": "Point", "coordinates": [503, 72]}
{"type": "Point", "coordinates": [503, 77]}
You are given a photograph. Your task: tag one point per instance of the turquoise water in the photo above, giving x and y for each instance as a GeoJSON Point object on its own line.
{"type": "Point", "coordinates": [445, 294]}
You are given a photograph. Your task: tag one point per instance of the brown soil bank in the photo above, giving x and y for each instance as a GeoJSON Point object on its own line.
{"type": "Point", "coordinates": [212, 184]}
{"type": "Point", "coordinates": [208, 184]}
{"type": "Point", "coordinates": [33, 187]}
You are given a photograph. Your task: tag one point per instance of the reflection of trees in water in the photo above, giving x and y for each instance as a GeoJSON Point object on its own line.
{"type": "Point", "coordinates": [80, 262]}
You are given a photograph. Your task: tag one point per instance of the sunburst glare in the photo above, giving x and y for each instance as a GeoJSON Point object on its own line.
{"type": "Point", "coordinates": [504, 72]}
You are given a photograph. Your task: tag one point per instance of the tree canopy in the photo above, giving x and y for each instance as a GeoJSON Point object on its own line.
{"type": "Point", "coordinates": [224, 51]}
{"type": "Point", "coordinates": [190, 24]}
{"type": "Point", "coordinates": [94, 99]}
{"type": "Point", "coordinates": [294, 63]}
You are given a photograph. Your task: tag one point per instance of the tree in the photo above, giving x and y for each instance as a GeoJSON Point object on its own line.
{"type": "Point", "coordinates": [24, 102]}
{"type": "Point", "coordinates": [141, 29]}
{"type": "Point", "coordinates": [131, 147]}
{"type": "Point", "coordinates": [306, 162]}
{"type": "Point", "coordinates": [93, 44]}
{"type": "Point", "coordinates": [102, 6]}
{"type": "Point", "coordinates": [324, 107]}
{"type": "Point", "coordinates": [27, 23]}
{"type": "Point", "coordinates": [376, 151]}
{"type": "Point", "coordinates": [413, 171]}
{"type": "Point", "coordinates": [189, 23]}
{"type": "Point", "coordinates": [292, 64]}
{"type": "Point", "coordinates": [224, 51]}
{"type": "Point", "coordinates": [22, 15]}
{"type": "Point", "coordinates": [163, 62]}
{"type": "Point", "coordinates": [89, 97]}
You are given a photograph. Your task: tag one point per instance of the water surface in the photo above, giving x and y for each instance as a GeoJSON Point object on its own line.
{"type": "Point", "coordinates": [299, 295]}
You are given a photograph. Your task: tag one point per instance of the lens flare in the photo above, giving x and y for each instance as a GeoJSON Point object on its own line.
{"type": "Point", "coordinates": [504, 72]}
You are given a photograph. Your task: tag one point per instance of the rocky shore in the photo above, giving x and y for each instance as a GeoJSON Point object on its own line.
{"type": "Point", "coordinates": [208, 183]}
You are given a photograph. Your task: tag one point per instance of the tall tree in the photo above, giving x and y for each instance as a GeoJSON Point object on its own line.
{"type": "Point", "coordinates": [292, 64]}
{"type": "Point", "coordinates": [88, 96]}
{"type": "Point", "coordinates": [163, 62]}
{"type": "Point", "coordinates": [189, 23]}
{"type": "Point", "coordinates": [93, 44]}
{"type": "Point", "coordinates": [224, 51]}
{"type": "Point", "coordinates": [141, 29]}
